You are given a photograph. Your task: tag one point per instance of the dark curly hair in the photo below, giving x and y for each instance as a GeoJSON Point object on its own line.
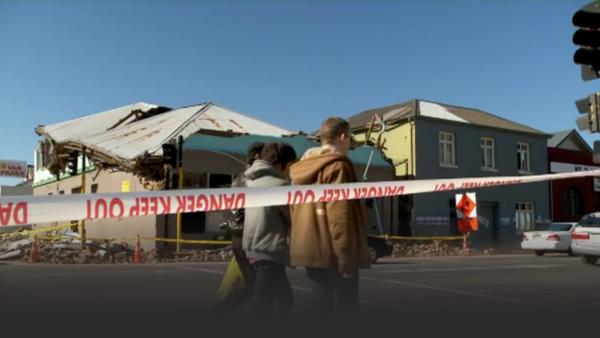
{"type": "Point", "coordinates": [278, 153]}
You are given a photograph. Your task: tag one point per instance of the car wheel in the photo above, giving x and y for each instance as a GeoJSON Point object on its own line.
{"type": "Point", "coordinates": [373, 254]}
{"type": "Point", "coordinates": [587, 259]}
{"type": "Point", "coordinates": [539, 252]}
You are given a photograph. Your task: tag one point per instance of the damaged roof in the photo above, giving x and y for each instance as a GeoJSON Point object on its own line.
{"type": "Point", "coordinates": [414, 108]}
{"type": "Point", "coordinates": [106, 134]}
{"type": "Point", "coordinates": [80, 128]}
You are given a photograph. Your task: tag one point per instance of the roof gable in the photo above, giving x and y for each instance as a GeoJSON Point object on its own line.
{"type": "Point", "coordinates": [569, 140]}
{"type": "Point", "coordinates": [395, 113]}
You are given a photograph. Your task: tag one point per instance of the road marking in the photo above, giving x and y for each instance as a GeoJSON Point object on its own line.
{"type": "Point", "coordinates": [452, 258]}
{"type": "Point", "coordinates": [297, 288]}
{"type": "Point", "coordinates": [459, 292]}
{"type": "Point", "coordinates": [211, 271]}
{"type": "Point", "coordinates": [374, 304]}
{"type": "Point", "coordinates": [482, 268]}
{"type": "Point", "coordinates": [301, 289]}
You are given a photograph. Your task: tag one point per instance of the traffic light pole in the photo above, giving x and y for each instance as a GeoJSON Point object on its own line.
{"type": "Point", "coordinates": [82, 223]}
{"type": "Point", "coordinates": [180, 186]}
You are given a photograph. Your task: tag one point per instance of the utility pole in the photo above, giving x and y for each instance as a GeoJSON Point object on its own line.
{"type": "Point", "coordinates": [82, 223]}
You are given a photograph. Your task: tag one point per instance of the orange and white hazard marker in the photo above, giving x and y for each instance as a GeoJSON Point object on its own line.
{"type": "Point", "coordinates": [466, 212]}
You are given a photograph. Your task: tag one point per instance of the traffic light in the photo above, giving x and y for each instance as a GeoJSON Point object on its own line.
{"type": "Point", "coordinates": [596, 157]}
{"type": "Point", "coordinates": [169, 155]}
{"type": "Point", "coordinates": [591, 107]}
{"type": "Point", "coordinates": [587, 37]}
{"type": "Point", "coordinates": [72, 163]}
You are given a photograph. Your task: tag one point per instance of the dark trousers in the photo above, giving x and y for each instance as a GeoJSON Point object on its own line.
{"type": "Point", "coordinates": [272, 289]}
{"type": "Point", "coordinates": [331, 292]}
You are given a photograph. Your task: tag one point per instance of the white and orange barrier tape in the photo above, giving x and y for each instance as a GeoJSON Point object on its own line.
{"type": "Point", "coordinates": [19, 210]}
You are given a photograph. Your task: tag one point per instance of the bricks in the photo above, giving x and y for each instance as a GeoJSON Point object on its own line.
{"type": "Point", "coordinates": [433, 249]}
{"type": "Point", "coordinates": [65, 249]}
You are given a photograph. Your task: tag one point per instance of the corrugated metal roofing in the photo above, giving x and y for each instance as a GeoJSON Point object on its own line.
{"type": "Point", "coordinates": [238, 145]}
{"type": "Point", "coordinates": [129, 141]}
{"type": "Point", "coordinates": [442, 111]}
{"type": "Point", "coordinates": [80, 128]}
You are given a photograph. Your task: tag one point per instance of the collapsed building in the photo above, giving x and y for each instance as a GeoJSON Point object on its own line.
{"type": "Point", "coordinates": [121, 150]}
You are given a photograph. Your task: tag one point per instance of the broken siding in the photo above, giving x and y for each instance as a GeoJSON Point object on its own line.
{"type": "Point", "coordinates": [399, 147]}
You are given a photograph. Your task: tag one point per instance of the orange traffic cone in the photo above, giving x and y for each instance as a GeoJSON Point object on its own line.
{"type": "Point", "coordinates": [34, 255]}
{"type": "Point", "coordinates": [137, 255]}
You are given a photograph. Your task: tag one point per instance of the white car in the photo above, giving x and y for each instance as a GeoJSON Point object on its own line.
{"type": "Point", "coordinates": [555, 238]}
{"type": "Point", "coordinates": [586, 238]}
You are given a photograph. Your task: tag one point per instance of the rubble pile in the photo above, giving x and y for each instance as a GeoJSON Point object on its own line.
{"type": "Point", "coordinates": [65, 248]}
{"type": "Point", "coordinates": [433, 249]}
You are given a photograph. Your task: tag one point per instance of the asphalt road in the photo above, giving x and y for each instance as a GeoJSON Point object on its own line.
{"type": "Point", "coordinates": [502, 284]}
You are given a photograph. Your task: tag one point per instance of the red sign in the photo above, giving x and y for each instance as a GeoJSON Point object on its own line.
{"type": "Point", "coordinates": [466, 205]}
{"type": "Point", "coordinates": [466, 225]}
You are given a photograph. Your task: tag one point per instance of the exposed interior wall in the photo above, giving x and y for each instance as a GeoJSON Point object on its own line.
{"type": "Point", "coordinates": [399, 146]}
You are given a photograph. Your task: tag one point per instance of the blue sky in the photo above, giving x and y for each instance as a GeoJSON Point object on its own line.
{"type": "Point", "coordinates": [289, 63]}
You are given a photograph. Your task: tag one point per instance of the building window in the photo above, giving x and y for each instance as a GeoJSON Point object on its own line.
{"type": "Point", "coordinates": [524, 217]}
{"type": "Point", "coordinates": [573, 204]}
{"type": "Point", "coordinates": [447, 149]}
{"type": "Point", "coordinates": [488, 153]}
{"type": "Point", "coordinates": [219, 180]}
{"type": "Point", "coordinates": [193, 222]}
{"type": "Point", "coordinates": [523, 157]}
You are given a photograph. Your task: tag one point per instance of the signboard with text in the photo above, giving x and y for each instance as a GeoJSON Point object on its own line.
{"type": "Point", "coordinates": [13, 168]}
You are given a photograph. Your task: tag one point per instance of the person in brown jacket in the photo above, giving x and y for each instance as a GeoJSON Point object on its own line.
{"type": "Point", "coordinates": [329, 239]}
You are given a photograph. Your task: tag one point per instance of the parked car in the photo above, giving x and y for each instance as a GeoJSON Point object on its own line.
{"type": "Point", "coordinates": [555, 238]}
{"type": "Point", "coordinates": [586, 238]}
{"type": "Point", "coordinates": [378, 247]}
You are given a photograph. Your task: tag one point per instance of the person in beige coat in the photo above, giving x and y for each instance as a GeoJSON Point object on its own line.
{"type": "Point", "coordinates": [329, 239]}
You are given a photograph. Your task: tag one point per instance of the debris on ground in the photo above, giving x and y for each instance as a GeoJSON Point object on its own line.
{"type": "Point", "coordinates": [435, 249]}
{"type": "Point", "coordinates": [65, 248]}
